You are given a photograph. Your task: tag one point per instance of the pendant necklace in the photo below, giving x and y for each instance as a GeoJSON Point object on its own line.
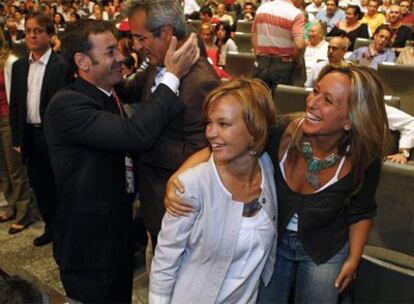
{"type": "Point", "coordinates": [314, 165]}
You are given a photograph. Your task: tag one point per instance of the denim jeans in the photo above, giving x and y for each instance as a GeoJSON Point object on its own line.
{"type": "Point", "coordinates": [295, 271]}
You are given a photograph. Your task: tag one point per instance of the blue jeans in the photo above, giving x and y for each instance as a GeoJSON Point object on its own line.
{"type": "Point", "coordinates": [294, 269]}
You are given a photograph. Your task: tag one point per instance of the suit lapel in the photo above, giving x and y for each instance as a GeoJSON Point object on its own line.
{"type": "Point", "coordinates": [24, 79]}
{"type": "Point", "coordinates": [149, 82]}
{"type": "Point", "coordinates": [49, 73]}
{"type": "Point", "coordinates": [107, 103]}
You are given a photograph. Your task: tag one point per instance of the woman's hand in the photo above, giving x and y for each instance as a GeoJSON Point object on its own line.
{"type": "Point", "coordinates": [172, 202]}
{"type": "Point", "coordinates": [346, 275]}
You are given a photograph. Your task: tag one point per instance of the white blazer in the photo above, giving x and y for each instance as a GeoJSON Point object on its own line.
{"type": "Point", "coordinates": [194, 253]}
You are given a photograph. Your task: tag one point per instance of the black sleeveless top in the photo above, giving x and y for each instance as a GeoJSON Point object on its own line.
{"type": "Point", "coordinates": [325, 216]}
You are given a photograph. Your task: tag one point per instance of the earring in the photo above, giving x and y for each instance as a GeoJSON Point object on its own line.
{"type": "Point", "coordinates": [252, 152]}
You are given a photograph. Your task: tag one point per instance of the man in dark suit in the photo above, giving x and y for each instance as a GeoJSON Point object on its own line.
{"type": "Point", "coordinates": [90, 138]}
{"type": "Point", "coordinates": [153, 24]}
{"type": "Point", "coordinates": [35, 79]}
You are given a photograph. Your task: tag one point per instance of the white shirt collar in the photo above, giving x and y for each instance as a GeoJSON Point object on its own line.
{"type": "Point", "coordinates": [108, 93]}
{"type": "Point", "coordinates": [44, 59]}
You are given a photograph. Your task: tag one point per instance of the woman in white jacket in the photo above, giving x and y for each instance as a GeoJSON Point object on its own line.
{"type": "Point", "coordinates": [219, 252]}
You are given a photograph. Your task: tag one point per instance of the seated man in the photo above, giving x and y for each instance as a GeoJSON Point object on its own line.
{"type": "Point", "coordinates": [314, 8]}
{"type": "Point", "coordinates": [336, 50]}
{"type": "Point", "coordinates": [206, 16]}
{"type": "Point", "coordinates": [407, 17]}
{"type": "Point", "coordinates": [372, 17]}
{"type": "Point", "coordinates": [248, 12]}
{"type": "Point", "coordinates": [377, 51]}
{"type": "Point", "coordinates": [316, 47]}
{"type": "Point", "coordinates": [222, 16]}
{"type": "Point", "coordinates": [400, 33]}
{"type": "Point", "coordinates": [332, 15]}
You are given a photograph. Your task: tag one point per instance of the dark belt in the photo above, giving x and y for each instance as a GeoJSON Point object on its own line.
{"type": "Point", "coordinates": [35, 126]}
{"type": "Point", "coordinates": [276, 58]}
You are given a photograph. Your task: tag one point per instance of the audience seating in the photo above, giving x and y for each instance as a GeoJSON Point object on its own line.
{"type": "Point", "coordinates": [244, 26]}
{"type": "Point", "coordinates": [360, 42]}
{"type": "Point", "coordinates": [386, 273]}
{"type": "Point", "coordinates": [398, 80]}
{"type": "Point", "coordinates": [290, 99]}
{"type": "Point", "coordinates": [244, 42]}
{"type": "Point", "coordinates": [240, 64]}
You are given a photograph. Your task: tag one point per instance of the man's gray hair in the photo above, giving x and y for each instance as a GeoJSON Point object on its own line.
{"type": "Point", "coordinates": [159, 13]}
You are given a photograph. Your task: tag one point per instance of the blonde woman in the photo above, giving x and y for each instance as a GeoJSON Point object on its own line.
{"type": "Point", "coordinates": [16, 186]}
{"type": "Point", "coordinates": [223, 248]}
{"type": "Point", "coordinates": [327, 167]}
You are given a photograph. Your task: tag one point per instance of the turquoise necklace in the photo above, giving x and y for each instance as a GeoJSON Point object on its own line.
{"type": "Point", "coordinates": [315, 165]}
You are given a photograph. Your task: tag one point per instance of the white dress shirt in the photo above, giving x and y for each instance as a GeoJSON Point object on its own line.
{"type": "Point", "coordinates": [190, 6]}
{"type": "Point", "coordinates": [34, 86]}
{"type": "Point", "coordinates": [314, 54]}
{"type": "Point", "coordinates": [403, 123]}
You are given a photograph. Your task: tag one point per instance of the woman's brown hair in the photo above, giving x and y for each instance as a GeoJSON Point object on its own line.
{"type": "Point", "coordinates": [369, 133]}
{"type": "Point", "coordinates": [257, 105]}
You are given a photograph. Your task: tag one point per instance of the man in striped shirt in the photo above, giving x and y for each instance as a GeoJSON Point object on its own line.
{"type": "Point", "coordinates": [278, 40]}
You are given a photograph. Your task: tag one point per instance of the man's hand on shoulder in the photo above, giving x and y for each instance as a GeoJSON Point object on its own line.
{"type": "Point", "coordinates": [179, 62]}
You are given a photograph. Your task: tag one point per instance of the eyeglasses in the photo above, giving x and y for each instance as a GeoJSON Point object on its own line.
{"type": "Point", "coordinates": [35, 31]}
{"type": "Point", "coordinates": [140, 38]}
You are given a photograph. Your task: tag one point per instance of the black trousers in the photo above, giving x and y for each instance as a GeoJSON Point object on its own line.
{"type": "Point", "coordinates": [104, 286]}
{"type": "Point", "coordinates": [41, 177]}
{"type": "Point", "coordinates": [273, 71]}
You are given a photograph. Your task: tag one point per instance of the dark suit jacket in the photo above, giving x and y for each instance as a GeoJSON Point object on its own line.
{"type": "Point", "coordinates": [183, 136]}
{"type": "Point", "coordinates": [57, 75]}
{"type": "Point", "coordinates": [87, 141]}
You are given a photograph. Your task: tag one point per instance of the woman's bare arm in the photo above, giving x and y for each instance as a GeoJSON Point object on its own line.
{"type": "Point", "coordinates": [358, 235]}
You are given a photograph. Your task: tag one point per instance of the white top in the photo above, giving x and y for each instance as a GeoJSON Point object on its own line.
{"type": "Point", "coordinates": [225, 17]}
{"type": "Point", "coordinates": [8, 74]}
{"type": "Point", "coordinates": [253, 247]}
{"type": "Point", "coordinates": [195, 253]}
{"type": "Point", "coordinates": [229, 46]}
{"type": "Point", "coordinates": [316, 69]}
{"type": "Point", "coordinates": [293, 223]}
{"type": "Point", "coordinates": [402, 122]}
{"type": "Point", "coordinates": [34, 86]}
{"type": "Point", "coordinates": [312, 10]}
{"type": "Point", "coordinates": [314, 54]}
{"type": "Point", "coordinates": [190, 6]}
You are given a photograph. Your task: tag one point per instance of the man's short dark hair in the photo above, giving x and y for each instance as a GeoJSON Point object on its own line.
{"type": "Point", "coordinates": [43, 21]}
{"type": "Point", "coordinates": [16, 290]}
{"type": "Point", "coordinates": [206, 11]}
{"type": "Point", "coordinates": [336, 2]}
{"type": "Point", "coordinates": [76, 38]}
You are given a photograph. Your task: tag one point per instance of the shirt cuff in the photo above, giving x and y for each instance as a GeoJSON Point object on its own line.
{"type": "Point", "coordinates": [171, 81]}
{"type": "Point", "coordinates": [158, 299]}
{"type": "Point", "coordinates": [406, 142]}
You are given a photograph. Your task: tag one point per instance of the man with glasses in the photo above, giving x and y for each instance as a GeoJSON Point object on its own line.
{"type": "Point", "coordinates": [91, 141]}
{"type": "Point", "coordinates": [336, 51]}
{"type": "Point", "coordinates": [35, 79]}
{"type": "Point", "coordinates": [153, 24]}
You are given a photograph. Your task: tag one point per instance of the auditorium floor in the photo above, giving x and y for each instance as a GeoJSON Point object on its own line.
{"type": "Point", "coordinates": [19, 257]}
